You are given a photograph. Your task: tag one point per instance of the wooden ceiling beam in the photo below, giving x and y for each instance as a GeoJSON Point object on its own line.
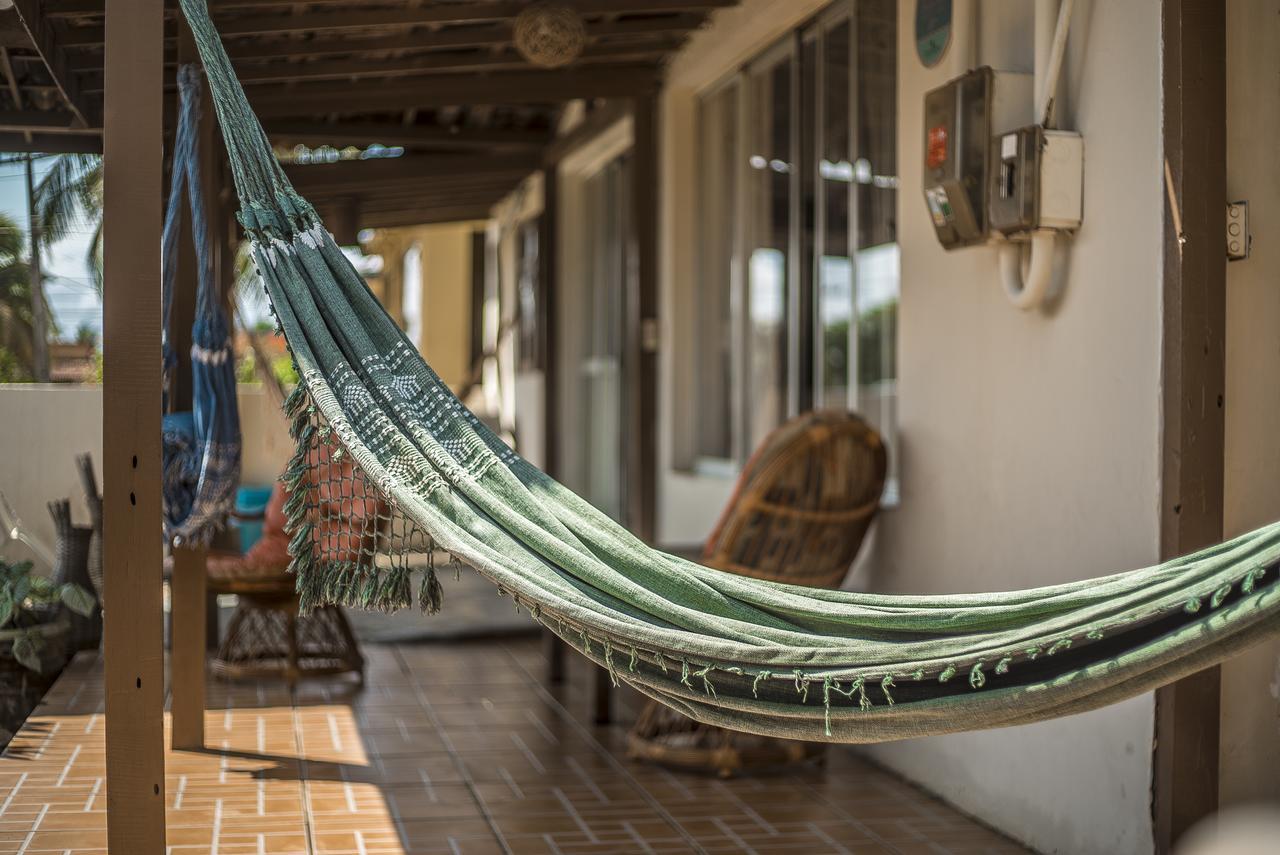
{"type": "Point", "coordinates": [400, 170]}
{"type": "Point", "coordinates": [438, 63]}
{"type": "Point", "coordinates": [46, 41]}
{"type": "Point", "coordinates": [409, 136]}
{"type": "Point", "coordinates": [495, 36]}
{"type": "Point", "coordinates": [512, 87]}
{"type": "Point", "coordinates": [41, 121]}
{"type": "Point", "coordinates": [424, 216]}
{"type": "Point", "coordinates": [353, 15]}
{"type": "Point", "coordinates": [47, 143]}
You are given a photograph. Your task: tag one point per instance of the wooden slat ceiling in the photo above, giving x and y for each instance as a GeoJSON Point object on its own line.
{"type": "Point", "coordinates": [437, 77]}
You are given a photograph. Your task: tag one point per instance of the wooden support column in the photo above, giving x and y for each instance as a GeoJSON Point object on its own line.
{"type": "Point", "coordinates": [548, 322]}
{"type": "Point", "coordinates": [642, 322]}
{"type": "Point", "coordinates": [133, 616]}
{"type": "Point", "coordinates": [1193, 374]}
{"type": "Point", "coordinates": [188, 586]}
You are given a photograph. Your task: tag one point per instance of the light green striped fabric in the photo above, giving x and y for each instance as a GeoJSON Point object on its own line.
{"type": "Point", "coordinates": [732, 651]}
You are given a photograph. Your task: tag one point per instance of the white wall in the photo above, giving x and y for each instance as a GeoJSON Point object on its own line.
{"type": "Point", "coordinates": [1030, 441]}
{"type": "Point", "coordinates": [44, 427]}
{"type": "Point", "coordinates": [1251, 681]}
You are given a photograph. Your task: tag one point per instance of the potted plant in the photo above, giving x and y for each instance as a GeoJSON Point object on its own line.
{"type": "Point", "coordinates": [33, 637]}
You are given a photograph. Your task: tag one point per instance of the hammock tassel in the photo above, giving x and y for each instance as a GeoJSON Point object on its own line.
{"type": "Point", "coordinates": [608, 663]}
{"type": "Point", "coordinates": [947, 673]}
{"type": "Point", "coordinates": [827, 683]}
{"type": "Point", "coordinates": [977, 679]}
{"type": "Point", "coordinates": [1252, 578]}
{"type": "Point", "coordinates": [430, 594]}
{"type": "Point", "coordinates": [885, 685]}
{"type": "Point", "coordinates": [755, 684]}
{"type": "Point", "coordinates": [1002, 667]}
{"type": "Point", "coordinates": [1219, 595]}
{"type": "Point", "coordinates": [709, 689]}
{"type": "Point", "coordinates": [396, 589]}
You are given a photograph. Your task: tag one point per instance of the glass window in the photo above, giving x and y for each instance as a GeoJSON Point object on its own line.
{"type": "Point", "coordinates": [529, 296]}
{"type": "Point", "coordinates": [876, 182]}
{"type": "Point", "coordinates": [718, 169]}
{"type": "Point", "coordinates": [797, 234]}
{"type": "Point", "coordinates": [769, 196]}
{"type": "Point", "coordinates": [411, 294]}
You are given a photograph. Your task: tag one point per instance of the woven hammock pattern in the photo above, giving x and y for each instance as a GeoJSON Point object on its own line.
{"type": "Point", "coordinates": [742, 653]}
{"type": "Point", "coordinates": [201, 458]}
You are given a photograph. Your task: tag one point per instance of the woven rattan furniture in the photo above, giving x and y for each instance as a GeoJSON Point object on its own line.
{"type": "Point", "coordinates": [267, 636]}
{"type": "Point", "coordinates": [799, 514]}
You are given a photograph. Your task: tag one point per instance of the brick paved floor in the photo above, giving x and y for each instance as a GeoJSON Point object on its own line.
{"type": "Point", "coordinates": [451, 748]}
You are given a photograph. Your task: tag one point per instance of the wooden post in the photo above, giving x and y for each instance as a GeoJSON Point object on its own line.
{"type": "Point", "coordinates": [548, 320]}
{"type": "Point", "coordinates": [1193, 379]}
{"type": "Point", "coordinates": [134, 619]}
{"type": "Point", "coordinates": [642, 321]}
{"type": "Point", "coordinates": [188, 586]}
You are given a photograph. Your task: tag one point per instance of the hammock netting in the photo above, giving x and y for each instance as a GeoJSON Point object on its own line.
{"type": "Point", "coordinates": [751, 655]}
{"type": "Point", "coordinates": [201, 448]}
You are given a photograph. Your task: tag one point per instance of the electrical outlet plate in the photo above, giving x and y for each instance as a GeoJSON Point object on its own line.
{"type": "Point", "coordinates": [1239, 238]}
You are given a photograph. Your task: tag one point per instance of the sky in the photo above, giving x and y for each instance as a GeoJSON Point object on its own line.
{"type": "Point", "coordinates": [73, 301]}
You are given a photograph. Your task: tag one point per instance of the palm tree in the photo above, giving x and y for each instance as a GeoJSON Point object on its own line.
{"type": "Point", "coordinates": [70, 193]}
{"type": "Point", "coordinates": [16, 322]}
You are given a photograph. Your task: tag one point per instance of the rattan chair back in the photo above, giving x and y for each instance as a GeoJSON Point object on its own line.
{"type": "Point", "coordinates": [804, 502]}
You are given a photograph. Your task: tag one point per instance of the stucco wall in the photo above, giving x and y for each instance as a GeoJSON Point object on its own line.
{"type": "Point", "coordinates": [43, 428]}
{"type": "Point", "coordinates": [1251, 682]}
{"type": "Point", "coordinates": [446, 290]}
{"type": "Point", "coordinates": [1030, 441]}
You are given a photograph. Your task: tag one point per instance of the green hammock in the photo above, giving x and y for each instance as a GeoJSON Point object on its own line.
{"type": "Point", "coordinates": [746, 654]}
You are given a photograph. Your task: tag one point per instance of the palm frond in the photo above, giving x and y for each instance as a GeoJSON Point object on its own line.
{"type": "Point", "coordinates": [93, 257]}
{"type": "Point", "coordinates": [13, 241]}
{"type": "Point", "coordinates": [68, 194]}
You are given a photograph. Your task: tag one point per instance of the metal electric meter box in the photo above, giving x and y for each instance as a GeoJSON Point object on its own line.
{"type": "Point", "coordinates": [958, 120]}
{"type": "Point", "coordinates": [1037, 181]}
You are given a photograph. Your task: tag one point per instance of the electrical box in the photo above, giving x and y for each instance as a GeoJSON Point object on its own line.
{"type": "Point", "coordinates": [1037, 181]}
{"type": "Point", "coordinates": [958, 120]}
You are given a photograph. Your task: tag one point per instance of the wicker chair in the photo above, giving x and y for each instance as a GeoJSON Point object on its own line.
{"type": "Point", "coordinates": [799, 514]}
{"type": "Point", "coordinates": [267, 637]}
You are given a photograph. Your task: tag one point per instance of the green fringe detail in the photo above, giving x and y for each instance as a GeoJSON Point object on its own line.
{"type": "Point", "coordinates": [1192, 606]}
{"type": "Point", "coordinates": [1060, 644]}
{"type": "Point", "coordinates": [885, 685]}
{"type": "Point", "coordinates": [430, 593]}
{"type": "Point", "coordinates": [1251, 579]}
{"type": "Point", "coordinates": [977, 679]}
{"type": "Point", "coordinates": [947, 673]}
{"type": "Point", "coordinates": [755, 684]}
{"type": "Point", "coordinates": [1002, 667]}
{"type": "Point", "coordinates": [1219, 595]}
{"type": "Point", "coordinates": [802, 685]}
{"type": "Point", "coordinates": [684, 673]}
{"type": "Point", "coordinates": [860, 686]}
{"type": "Point", "coordinates": [709, 689]}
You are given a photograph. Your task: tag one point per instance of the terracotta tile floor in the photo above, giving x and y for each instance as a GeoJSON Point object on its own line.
{"type": "Point", "coordinates": [451, 748]}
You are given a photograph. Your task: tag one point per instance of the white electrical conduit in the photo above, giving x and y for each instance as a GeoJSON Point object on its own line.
{"type": "Point", "coordinates": [1029, 292]}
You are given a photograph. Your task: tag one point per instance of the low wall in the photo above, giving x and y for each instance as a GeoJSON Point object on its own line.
{"type": "Point", "coordinates": [44, 427]}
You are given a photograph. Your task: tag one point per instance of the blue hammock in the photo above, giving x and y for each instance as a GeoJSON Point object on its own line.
{"type": "Point", "coordinates": [201, 448]}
